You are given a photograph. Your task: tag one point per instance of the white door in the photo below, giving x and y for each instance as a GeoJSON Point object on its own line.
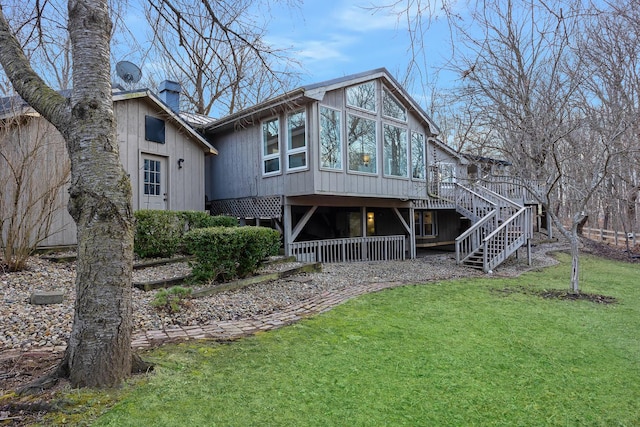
{"type": "Point", "coordinates": [153, 183]}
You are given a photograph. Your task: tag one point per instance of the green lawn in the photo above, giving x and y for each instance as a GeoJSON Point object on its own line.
{"type": "Point", "coordinates": [453, 353]}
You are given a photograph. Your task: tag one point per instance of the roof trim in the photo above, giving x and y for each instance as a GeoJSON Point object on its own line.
{"type": "Point", "coordinates": [21, 108]}
{"type": "Point", "coordinates": [316, 91]}
{"type": "Point", "coordinates": [461, 157]}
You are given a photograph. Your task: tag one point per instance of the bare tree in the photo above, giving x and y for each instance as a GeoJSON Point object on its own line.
{"type": "Point", "coordinates": [218, 53]}
{"type": "Point", "coordinates": [612, 102]}
{"type": "Point", "coordinates": [527, 81]}
{"type": "Point", "coordinates": [44, 40]}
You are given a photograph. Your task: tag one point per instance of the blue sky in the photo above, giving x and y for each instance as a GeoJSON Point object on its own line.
{"type": "Point", "coordinates": [333, 38]}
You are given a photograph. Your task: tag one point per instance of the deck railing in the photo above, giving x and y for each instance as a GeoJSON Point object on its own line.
{"type": "Point", "coordinates": [512, 187]}
{"type": "Point", "coordinates": [506, 207]}
{"type": "Point", "coordinates": [352, 249]}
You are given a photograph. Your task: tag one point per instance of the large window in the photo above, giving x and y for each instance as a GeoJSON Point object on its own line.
{"type": "Point", "coordinates": [330, 138]}
{"type": "Point", "coordinates": [395, 150]}
{"type": "Point", "coordinates": [392, 108]}
{"type": "Point", "coordinates": [271, 147]}
{"type": "Point", "coordinates": [296, 141]}
{"type": "Point", "coordinates": [418, 165]}
{"type": "Point", "coordinates": [362, 96]}
{"type": "Point", "coordinates": [362, 144]}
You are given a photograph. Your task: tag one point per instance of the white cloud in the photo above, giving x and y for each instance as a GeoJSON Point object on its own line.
{"type": "Point", "coordinates": [333, 47]}
{"type": "Point", "coordinates": [363, 18]}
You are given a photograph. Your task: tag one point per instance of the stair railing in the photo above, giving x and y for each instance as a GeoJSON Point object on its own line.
{"type": "Point", "coordinates": [507, 238]}
{"type": "Point", "coordinates": [506, 207]}
{"type": "Point", "coordinates": [469, 241]}
{"type": "Point", "coordinates": [471, 204]}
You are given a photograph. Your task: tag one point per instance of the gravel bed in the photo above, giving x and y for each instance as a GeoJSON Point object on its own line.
{"type": "Point", "coordinates": [24, 326]}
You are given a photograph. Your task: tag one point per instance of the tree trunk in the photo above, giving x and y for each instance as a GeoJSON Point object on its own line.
{"type": "Point", "coordinates": [575, 261]}
{"type": "Point", "coordinates": [99, 350]}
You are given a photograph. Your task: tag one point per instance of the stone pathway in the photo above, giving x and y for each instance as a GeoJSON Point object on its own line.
{"type": "Point", "coordinates": [233, 329]}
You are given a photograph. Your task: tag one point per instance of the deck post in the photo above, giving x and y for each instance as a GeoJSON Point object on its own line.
{"type": "Point", "coordinates": [412, 234]}
{"type": "Point", "coordinates": [287, 228]}
{"type": "Point", "coordinates": [529, 252]}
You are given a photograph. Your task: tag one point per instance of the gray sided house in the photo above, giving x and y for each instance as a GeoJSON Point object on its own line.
{"type": "Point", "coordinates": [348, 169]}
{"type": "Point", "coordinates": [163, 155]}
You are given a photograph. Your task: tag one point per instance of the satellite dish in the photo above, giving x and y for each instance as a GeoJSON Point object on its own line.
{"type": "Point", "coordinates": [128, 71]}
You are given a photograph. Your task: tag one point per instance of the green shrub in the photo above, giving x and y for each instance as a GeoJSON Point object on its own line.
{"type": "Point", "coordinates": [259, 243]}
{"type": "Point", "coordinates": [172, 299]}
{"type": "Point", "coordinates": [197, 219]}
{"type": "Point", "coordinates": [229, 252]}
{"type": "Point", "coordinates": [222, 221]}
{"type": "Point", "coordinates": [160, 233]}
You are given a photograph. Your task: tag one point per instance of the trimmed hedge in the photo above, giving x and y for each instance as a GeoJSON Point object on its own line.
{"type": "Point", "coordinates": [228, 252]}
{"type": "Point", "coordinates": [160, 233]}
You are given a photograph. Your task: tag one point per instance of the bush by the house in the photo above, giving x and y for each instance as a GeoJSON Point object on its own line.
{"type": "Point", "coordinates": [197, 219]}
{"type": "Point", "coordinates": [229, 252]}
{"type": "Point", "coordinates": [160, 233]}
{"type": "Point", "coordinates": [221, 221]}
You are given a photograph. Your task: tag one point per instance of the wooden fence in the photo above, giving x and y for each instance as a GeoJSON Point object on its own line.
{"type": "Point", "coordinates": [618, 238]}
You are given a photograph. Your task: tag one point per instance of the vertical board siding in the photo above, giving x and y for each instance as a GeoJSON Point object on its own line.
{"type": "Point", "coordinates": [185, 186]}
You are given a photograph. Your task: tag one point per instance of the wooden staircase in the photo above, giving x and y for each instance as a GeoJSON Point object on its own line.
{"type": "Point", "coordinates": [499, 227]}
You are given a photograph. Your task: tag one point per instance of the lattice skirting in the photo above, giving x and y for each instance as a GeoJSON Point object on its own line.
{"type": "Point", "coordinates": [249, 207]}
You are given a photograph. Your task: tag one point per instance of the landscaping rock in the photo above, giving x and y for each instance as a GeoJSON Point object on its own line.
{"type": "Point", "coordinates": [46, 297]}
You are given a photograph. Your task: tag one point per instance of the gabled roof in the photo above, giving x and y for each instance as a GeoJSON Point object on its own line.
{"type": "Point", "coordinates": [11, 106]}
{"type": "Point", "coordinates": [315, 92]}
{"type": "Point", "coordinates": [16, 106]}
{"type": "Point", "coordinates": [151, 98]}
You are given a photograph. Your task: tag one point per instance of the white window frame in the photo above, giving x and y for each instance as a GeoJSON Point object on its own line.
{"type": "Point", "coordinates": [386, 160]}
{"type": "Point", "coordinates": [386, 92]}
{"type": "Point", "coordinates": [424, 153]}
{"type": "Point", "coordinates": [359, 108]}
{"type": "Point", "coordinates": [152, 177]}
{"type": "Point", "coordinates": [340, 148]}
{"type": "Point", "coordinates": [267, 157]}
{"type": "Point", "coordinates": [296, 151]}
{"type": "Point", "coordinates": [376, 153]}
